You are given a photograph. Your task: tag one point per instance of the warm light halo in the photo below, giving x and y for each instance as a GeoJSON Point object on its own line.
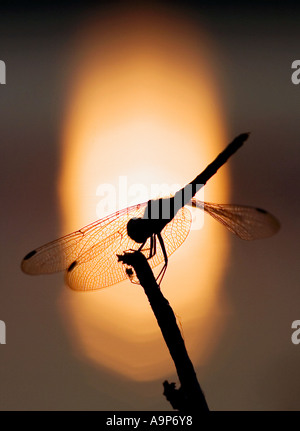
{"type": "Point", "coordinates": [153, 97]}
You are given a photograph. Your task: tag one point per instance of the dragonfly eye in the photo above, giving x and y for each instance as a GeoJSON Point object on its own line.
{"type": "Point", "coordinates": [138, 229]}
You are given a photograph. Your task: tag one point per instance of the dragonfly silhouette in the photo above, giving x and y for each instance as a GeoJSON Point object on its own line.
{"type": "Point", "coordinates": [89, 255]}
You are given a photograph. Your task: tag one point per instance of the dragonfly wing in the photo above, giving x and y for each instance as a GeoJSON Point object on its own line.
{"type": "Point", "coordinates": [54, 256]}
{"type": "Point", "coordinates": [246, 222]}
{"type": "Point", "coordinates": [58, 255]}
{"type": "Point", "coordinates": [97, 266]}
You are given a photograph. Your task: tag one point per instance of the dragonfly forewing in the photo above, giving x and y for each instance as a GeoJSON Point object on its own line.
{"type": "Point", "coordinates": [89, 255]}
{"type": "Point", "coordinates": [248, 223]}
{"type": "Point", "coordinates": [58, 255]}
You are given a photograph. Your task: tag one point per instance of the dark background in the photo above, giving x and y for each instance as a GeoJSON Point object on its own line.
{"type": "Point", "coordinates": [255, 366]}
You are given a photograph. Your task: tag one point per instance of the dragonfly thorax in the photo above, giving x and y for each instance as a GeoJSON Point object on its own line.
{"type": "Point", "coordinates": [139, 229]}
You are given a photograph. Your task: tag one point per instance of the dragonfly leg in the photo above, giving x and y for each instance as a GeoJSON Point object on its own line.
{"type": "Point", "coordinates": [152, 246]}
{"type": "Point", "coordinates": [150, 249]}
{"type": "Point", "coordinates": [133, 249]}
{"type": "Point", "coordinates": [140, 248]}
{"type": "Point", "coordinates": [164, 268]}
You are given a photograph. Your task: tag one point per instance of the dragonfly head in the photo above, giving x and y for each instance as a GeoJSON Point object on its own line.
{"type": "Point", "coordinates": [139, 229]}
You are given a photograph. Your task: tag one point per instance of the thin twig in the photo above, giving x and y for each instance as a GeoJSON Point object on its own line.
{"type": "Point", "coordinates": [189, 396]}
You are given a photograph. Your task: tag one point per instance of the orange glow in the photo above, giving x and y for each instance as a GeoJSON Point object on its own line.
{"type": "Point", "coordinates": [144, 104]}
